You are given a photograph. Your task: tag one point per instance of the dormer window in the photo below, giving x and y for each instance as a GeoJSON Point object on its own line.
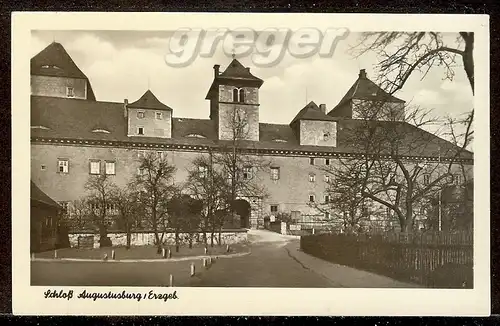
{"type": "Point", "coordinates": [103, 131]}
{"type": "Point", "coordinates": [195, 136]}
{"type": "Point", "coordinates": [239, 95]}
{"type": "Point", "coordinates": [70, 92]}
{"type": "Point", "coordinates": [326, 136]}
{"type": "Point", "coordinates": [159, 116]}
{"type": "Point", "coordinates": [40, 127]}
{"type": "Point", "coordinates": [141, 114]}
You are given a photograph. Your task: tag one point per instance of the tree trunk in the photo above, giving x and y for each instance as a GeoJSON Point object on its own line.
{"type": "Point", "coordinates": [176, 240]}
{"type": "Point", "coordinates": [191, 236]}
{"type": "Point", "coordinates": [212, 238]}
{"type": "Point", "coordinates": [220, 231]}
{"type": "Point", "coordinates": [129, 235]}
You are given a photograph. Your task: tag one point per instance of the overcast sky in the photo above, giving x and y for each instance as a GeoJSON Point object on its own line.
{"type": "Point", "coordinates": [121, 64]}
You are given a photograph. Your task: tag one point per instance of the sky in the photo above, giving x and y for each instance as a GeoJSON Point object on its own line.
{"type": "Point", "coordinates": [124, 64]}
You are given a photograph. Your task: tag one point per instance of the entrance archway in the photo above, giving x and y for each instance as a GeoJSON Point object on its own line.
{"type": "Point", "coordinates": [242, 208]}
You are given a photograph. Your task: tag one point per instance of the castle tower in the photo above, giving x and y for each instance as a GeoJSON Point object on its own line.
{"type": "Point", "coordinates": [234, 102]}
{"type": "Point", "coordinates": [366, 100]}
{"type": "Point", "coordinates": [55, 74]}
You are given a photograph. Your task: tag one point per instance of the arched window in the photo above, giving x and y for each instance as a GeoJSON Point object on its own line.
{"type": "Point", "coordinates": [235, 95]}
{"type": "Point", "coordinates": [242, 95]}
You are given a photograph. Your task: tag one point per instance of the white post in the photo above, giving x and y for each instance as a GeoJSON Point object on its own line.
{"type": "Point", "coordinates": [55, 254]}
{"type": "Point", "coordinates": [439, 210]}
{"type": "Point", "coordinates": [169, 253]}
{"type": "Point", "coordinates": [171, 280]}
{"type": "Point", "coordinates": [163, 252]}
{"type": "Point", "coordinates": [206, 250]}
{"type": "Point", "coordinates": [313, 231]}
{"type": "Point", "coordinates": [113, 254]}
{"type": "Point", "coordinates": [205, 263]}
{"type": "Point", "coordinates": [192, 269]}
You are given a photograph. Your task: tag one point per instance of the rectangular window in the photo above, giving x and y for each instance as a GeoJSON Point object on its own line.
{"type": "Point", "coordinates": [141, 114]}
{"type": "Point", "coordinates": [140, 130]}
{"type": "Point", "coordinates": [457, 179]}
{"type": "Point", "coordinates": [327, 161]}
{"type": "Point", "coordinates": [110, 167]}
{"type": "Point", "coordinates": [327, 178]}
{"type": "Point", "coordinates": [202, 170]}
{"type": "Point", "coordinates": [43, 167]}
{"type": "Point", "coordinates": [141, 154]}
{"type": "Point", "coordinates": [327, 215]}
{"type": "Point", "coordinates": [312, 177]}
{"type": "Point", "coordinates": [274, 208]}
{"type": "Point", "coordinates": [427, 179]}
{"type": "Point", "coordinates": [160, 155]}
{"type": "Point", "coordinates": [141, 171]}
{"type": "Point", "coordinates": [65, 207]}
{"type": "Point", "coordinates": [247, 173]}
{"type": "Point", "coordinates": [449, 179]}
{"type": "Point", "coordinates": [70, 92]}
{"type": "Point", "coordinates": [327, 199]}
{"type": "Point", "coordinates": [311, 198]}
{"type": "Point", "coordinates": [275, 173]}
{"type": "Point", "coordinates": [311, 160]}
{"type": "Point", "coordinates": [63, 165]}
{"type": "Point", "coordinates": [95, 167]}
{"type": "Point", "coordinates": [159, 115]}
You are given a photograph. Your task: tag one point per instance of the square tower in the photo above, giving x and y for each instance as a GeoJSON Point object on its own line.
{"type": "Point", "coordinates": [234, 102]}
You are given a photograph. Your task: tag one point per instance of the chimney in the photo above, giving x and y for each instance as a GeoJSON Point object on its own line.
{"type": "Point", "coordinates": [322, 108]}
{"type": "Point", "coordinates": [362, 74]}
{"type": "Point", "coordinates": [125, 103]}
{"type": "Point", "coordinates": [248, 69]}
{"type": "Point", "coordinates": [216, 70]}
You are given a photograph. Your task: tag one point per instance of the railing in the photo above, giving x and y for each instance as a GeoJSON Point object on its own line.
{"type": "Point", "coordinates": [430, 259]}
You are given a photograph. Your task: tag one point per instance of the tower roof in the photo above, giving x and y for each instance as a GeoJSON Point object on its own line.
{"type": "Point", "coordinates": [236, 70]}
{"type": "Point", "coordinates": [54, 61]}
{"type": "Point", "coordinates": [149, 101]}
{"type": "Point", "coordinates": [312, 112]}
{"type": "Point", "coordinates": [364, 89]}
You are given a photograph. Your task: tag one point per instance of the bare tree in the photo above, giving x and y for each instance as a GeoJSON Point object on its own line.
{"type": "Point", "coordinates": [126, 201]}
{"type": "Point", "coordinates": [240, 168]}
{"type": "Point", "coordinates": [208, 184]}
{"type": "Point", "coordinates": [403, 53]}
{"type": "Point", "coordinates": [388, 170]}
{"type": "Point", "coordinates": [100, 188]}
{"type": "Point", "coordinates": [154, 181]}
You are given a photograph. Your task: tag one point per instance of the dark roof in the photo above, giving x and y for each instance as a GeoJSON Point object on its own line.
{"type": "Point", "coordinates": [39, 196]}
{"type": "Point", "coordinates": [236, 70]}
{"type": "Point", "coordinates": [54, 61]}
{"type": "Point", "coordinates": [149, 101]}
{"type": "Point", "coordinates": [312, 112]}
{"type": "Point", "coordinates": [364, 89]}
{"type": "Point", "coordinates": [75, 119]}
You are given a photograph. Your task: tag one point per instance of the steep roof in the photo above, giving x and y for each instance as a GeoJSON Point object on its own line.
{"type": "Point", "coordinates": [236, 70]}
{"type": "Point", "coordinates": [312, 112]}
{"type": "Point", "coordinates": [149, 101]}
{"type": "Point", "coordinates": [76, 119]}
{"type": "Point", "coordinates": [364, 89]}
{"type": "Point", "coordinates": [39, 196]}
{"type": "Point", "coordinates": [54, 61]}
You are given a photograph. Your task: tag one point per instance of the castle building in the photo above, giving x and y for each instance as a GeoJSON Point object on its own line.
{"type": "Point", "coordinates": [73, 135]}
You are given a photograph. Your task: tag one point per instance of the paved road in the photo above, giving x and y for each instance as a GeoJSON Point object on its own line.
{"type": "Point", "coordinates": [268, 265]}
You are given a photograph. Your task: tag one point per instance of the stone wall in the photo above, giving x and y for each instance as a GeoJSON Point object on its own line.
{"type": "Point", "coordinates": [56, 86]}
{"type": "Point", "coordinates": [318, 133]}
{"type": "Point", "coordinates": [147, 238]}
{"type": "Point", "coordinates": [152, 127]}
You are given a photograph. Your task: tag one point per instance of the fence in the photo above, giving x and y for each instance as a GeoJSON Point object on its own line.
{"type": "Point", "coordinates": [430, 259]}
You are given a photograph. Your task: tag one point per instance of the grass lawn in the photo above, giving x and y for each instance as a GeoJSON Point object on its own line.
{"type": "Point", "coordinates": [143, 252]}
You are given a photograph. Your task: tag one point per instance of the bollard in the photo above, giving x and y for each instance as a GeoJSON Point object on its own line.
{"type": "Point", "coordinates": [192, 269]}
{"type": "Point", "coordinates": [113, 255]}
{"type": "Point", "coordinates": [171, 280]}
{"type": "Point", "coordinates": [227, 248]}
{"type": "Point", "coordinates": [313, 231]}
{"type": "Point", "coordinates": [206, 250]}
{"type": "Point", "coordinates": [55, 254]}
{"type": "Point", "coordinates": [209, 261]}
{"type": "Point", "coordinates": [205, 263]}
{"type": "Point", "coordinates": [163, 253]}
{"type": "Point", "coordinates": [169, 253]}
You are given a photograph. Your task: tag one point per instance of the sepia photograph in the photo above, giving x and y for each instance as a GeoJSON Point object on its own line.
{"type": "Point", "coordinates": [251, 157]}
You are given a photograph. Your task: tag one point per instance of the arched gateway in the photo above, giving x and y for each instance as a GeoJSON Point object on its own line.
{"type": "Point", "coordinates": [250, 211]}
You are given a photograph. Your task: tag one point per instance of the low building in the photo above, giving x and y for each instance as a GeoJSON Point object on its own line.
{"type": "Point", "coordinates": [44, 218]}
